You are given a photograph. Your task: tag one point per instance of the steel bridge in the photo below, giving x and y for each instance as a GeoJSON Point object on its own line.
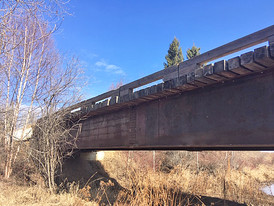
{"type": "Point", "coordinates": [228, 104]}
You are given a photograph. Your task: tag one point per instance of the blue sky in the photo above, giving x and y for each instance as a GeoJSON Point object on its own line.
{"type": "Point", "coordinates": [126, 40]}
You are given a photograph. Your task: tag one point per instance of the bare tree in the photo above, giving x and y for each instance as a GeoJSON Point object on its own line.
{"type": "Point", "coordinates": [116, 86]}
{"type": "Point", "coordinates": [28, 59]}
{"type": "Point", "coordinates": [55, 133]}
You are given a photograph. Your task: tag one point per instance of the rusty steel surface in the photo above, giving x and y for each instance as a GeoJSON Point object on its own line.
{"type": "Point", "coordinates": [233, 115]}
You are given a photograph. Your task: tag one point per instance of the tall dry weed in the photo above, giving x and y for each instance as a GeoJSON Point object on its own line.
{"type": "Point", "coordinates": [185, 186]}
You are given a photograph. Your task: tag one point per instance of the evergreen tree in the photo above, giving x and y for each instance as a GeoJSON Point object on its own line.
{"type": "Point", "coordinates": [193, 52]}
{"type": "Point", "coordinates": [174, 55]}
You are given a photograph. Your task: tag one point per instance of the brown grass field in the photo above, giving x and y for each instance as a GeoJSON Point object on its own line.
{"type": "Point", "coordinates": [240, 181]}
{"type": "Point", "coordinates": [177, 180]}
{"type": "Point", "coordinates": [12, 194]}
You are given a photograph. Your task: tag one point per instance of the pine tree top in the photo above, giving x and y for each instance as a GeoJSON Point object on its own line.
{"type": "Point", "coordinates": [174, 55]}
{"type": "Point", "coordinates": [193, 52]}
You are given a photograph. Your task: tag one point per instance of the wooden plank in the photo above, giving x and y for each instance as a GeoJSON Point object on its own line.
{"type": "Point", "coordinates": [124, 98]}
{"type": "Point", "coordinates": [151, 92]}
{"type": "Point", "coordinates": [234, 65]}
{"type": "Point", "coordinates": [190, 78]}
{"type": "Point", "coordinates": [160, 87]}
{"type": "Point", "coordinates": [173, 74]}
{"type": "Point", "coordinates": [157, 90]}
{"type": "Point", "coordinates": [91, 107]}
{"type": "Point", "coordinates": [97, 105]}
{"type": "Point", "coordinates": [171, 85]}
{"type": "Point", "coordinates": [170, 76]}
{"type": "Point", "coordinates": [271, 39]}
{"type": "Point", "coordinates": [126, 91]}
{"type": "Point", "coordinates": [271, 50]}
{"type": "Point", "coordinates": [148, 79]}
{"type": "Point", "coordinates": [186, 69]}
{"type": "Point", "coordinates": [199, 75]}
{"type": "Point", "coordinates": [262, 56]}
{"type": "Point", "coordinates": [142, 94]}
{"type": "Point", "coordinates": [160, 90]}
{"type": "Point", "coordinates": [221, 68]}
{"type": "Point", "coordinates": [232, 47]}
{"type": "Point", "coordinates": [94, 99]}
{"type": "Point", "coordinates": [105, 103]}
{"type": "Point", "coordinates": [148, 95]}
{"type": "Point", "coordinates": [209, 73]}
{"type": "Point", "coordinates": [248, 62]}
{"type": "Point", "coordinates": [100, 97]}
{"type": "Point", "coordinates": [114, 100]}
{"type": "Point", "coordinates": [85, 109]}
{"type": "Point", "coordinates": [183, 84]}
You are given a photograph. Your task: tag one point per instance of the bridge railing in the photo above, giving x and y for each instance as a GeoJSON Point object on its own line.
{"type": "Point", "coordinates": [184, 68]}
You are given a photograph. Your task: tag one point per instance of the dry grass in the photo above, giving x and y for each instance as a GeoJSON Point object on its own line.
{"type": "Point", "coordinates": [262, 173]}
{"type": "Point", "coordinates": [241, 184]}
{"type": "Point", "coordinates": [174, 188]}
{"type": "Point", "coordinates": [12, 194]}
{"type": "Point", "coordinates": [183, 185]}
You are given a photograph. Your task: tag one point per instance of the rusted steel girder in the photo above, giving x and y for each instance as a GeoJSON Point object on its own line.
{"type": "Point", "coordinates": [230, 115]}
